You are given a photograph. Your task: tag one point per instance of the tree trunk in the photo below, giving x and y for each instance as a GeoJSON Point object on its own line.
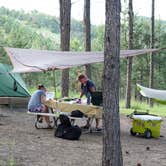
{"type": "Point", "coordinates": [65, 16]}
{"type": "Point", "coordinates": [141, 81]}
{"type": "Point", "coordinates": [135, 91]}
{"type": "Point", "coordinates": [151, 54]}
{"type": "Point", "coordinates": [129, 60]}
{"type": "Point", "coordinates": [54, 82]}
{"type": "Point", "coordinates": [87, 32]}
{"type": "Point", "coordinates": [112, 154]}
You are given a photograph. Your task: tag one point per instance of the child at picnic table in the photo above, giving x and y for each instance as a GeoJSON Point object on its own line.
{"type": "Point", "coordinates": [87, 87]}
{"type": "Point", "coordinates": [36, 103]}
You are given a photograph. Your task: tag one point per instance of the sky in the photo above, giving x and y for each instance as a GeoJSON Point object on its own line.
{"type": "Point", "coordinates": [141, 7]}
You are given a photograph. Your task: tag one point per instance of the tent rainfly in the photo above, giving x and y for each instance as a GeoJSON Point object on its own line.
{"type": "Point", "coordinates": [12, 84]}
{"type": "Point", "coordinates": [30, 60]}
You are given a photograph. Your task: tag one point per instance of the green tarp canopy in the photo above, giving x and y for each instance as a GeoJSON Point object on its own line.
{"type": "Point", "coordinates": [11, 84]}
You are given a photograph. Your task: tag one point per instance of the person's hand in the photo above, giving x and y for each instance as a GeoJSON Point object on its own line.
{"type": "Point", "coordinates": [78, 101]}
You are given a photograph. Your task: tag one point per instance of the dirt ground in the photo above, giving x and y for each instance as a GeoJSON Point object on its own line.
{"type": "Point", "coordinates": [22, 144]}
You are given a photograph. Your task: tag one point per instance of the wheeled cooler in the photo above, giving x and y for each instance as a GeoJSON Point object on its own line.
{"type": "Point", "coordinates": [147, 125]}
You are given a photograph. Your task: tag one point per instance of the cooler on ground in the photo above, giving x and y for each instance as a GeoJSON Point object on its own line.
{"type": "Point", "coordinates": [147, 125]}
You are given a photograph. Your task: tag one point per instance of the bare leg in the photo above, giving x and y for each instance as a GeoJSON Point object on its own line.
{"type": "Point", "coordinates": [45, 110]}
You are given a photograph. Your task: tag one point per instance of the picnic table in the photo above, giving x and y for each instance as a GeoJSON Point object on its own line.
{"type": "Point", "coordinates": [89, 110]}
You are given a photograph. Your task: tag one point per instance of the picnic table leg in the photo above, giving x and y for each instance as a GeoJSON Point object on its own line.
{"type": "Point", "coordinates": [90, 123]}
{"type": "Point", "coordinates": [53, 118]}
{"type": "Point", "coordinates": [72, 121]}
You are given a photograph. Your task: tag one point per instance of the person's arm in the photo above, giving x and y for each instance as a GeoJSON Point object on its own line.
{"type": "Point", "coordinates": [91, 86]}
{"type": "Point", "coordinates": [82, 94]}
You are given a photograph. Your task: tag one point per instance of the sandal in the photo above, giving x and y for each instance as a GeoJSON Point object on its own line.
{"type": "Point", "coordinates": [98, 129]}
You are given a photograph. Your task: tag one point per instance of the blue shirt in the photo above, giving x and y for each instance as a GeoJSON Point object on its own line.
{"type": "Point", "coordinates": [35, 100]}
{"type": "Point", "coordinates": [86, 89]}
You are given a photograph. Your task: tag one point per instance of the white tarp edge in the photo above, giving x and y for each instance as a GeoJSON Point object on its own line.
{"type": "Point", "coordinates": [152, 93]}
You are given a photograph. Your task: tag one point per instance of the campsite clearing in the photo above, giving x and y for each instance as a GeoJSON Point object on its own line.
{"type": "Point", "coordinates": [23, 145]}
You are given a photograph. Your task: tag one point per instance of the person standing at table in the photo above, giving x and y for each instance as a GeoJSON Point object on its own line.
{"type": "Point", "coordinates": [36, 103]}
{"type": "Point", "coordinates": [87, 87]}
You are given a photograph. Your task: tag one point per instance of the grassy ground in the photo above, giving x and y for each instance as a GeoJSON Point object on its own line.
{"type": "Point", "coordinates": [157, 109]}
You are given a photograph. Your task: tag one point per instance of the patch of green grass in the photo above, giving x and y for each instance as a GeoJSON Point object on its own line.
{"type": "Point", "coordinates": [157, 109]}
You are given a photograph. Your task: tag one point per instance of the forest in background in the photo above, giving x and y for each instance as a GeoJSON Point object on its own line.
{"type": "Point", "coordinates": [40, 31]}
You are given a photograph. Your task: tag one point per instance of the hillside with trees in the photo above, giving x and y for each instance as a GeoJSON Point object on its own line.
{"type": "Point", "coordinates": [40, 31]}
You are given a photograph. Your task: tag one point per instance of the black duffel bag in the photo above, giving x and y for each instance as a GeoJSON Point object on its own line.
{"type": "Point", "coordinates": [66, 131]}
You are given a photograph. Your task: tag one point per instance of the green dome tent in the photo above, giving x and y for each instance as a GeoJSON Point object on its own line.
{"type": "Point", "coordinates": [11, 84]}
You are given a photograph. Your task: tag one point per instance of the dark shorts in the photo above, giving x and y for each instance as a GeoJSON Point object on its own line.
{"type": "Point", "coordinates": [37, 109]}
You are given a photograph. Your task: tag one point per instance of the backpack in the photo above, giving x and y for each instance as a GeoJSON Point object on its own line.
{"type": "Point", "coordinates": [64, 120]}
{"type": "Point", "coordinates": [77, 114]}
{"type": "Point", "coordinates": [66, 131]}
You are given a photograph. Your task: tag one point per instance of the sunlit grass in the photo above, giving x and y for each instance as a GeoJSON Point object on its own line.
{"type": "Point", "coordinates": [157, 109]}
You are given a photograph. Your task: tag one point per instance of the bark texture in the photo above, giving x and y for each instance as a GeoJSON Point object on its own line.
{"type": "Point", "coordinates": [129, 59]}
{"type": "Point", "coordinates": [112, 154]}
{"type": "Point", "coordinates": [87, 32]}
{"type": "Point", "coordinates": [65, 17]}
